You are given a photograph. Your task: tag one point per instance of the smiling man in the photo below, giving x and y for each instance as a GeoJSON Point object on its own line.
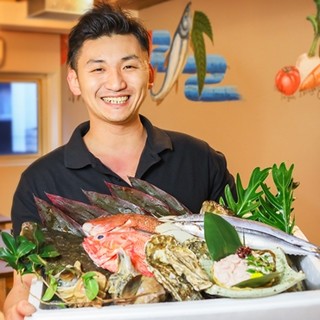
{"type": "Point", "coordinates": [108, 66]}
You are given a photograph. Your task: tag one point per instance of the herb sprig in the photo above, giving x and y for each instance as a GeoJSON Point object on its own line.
{"type": "Point", "coordinates": [26, 256]}
{"type": "Point", "coordinates": [258, 203]}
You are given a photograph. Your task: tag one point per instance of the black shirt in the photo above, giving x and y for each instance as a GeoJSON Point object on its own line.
{"type": "Point", "coordinates": [185, 167]}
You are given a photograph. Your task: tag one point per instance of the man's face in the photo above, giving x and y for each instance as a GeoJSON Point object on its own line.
{"type": "Point", "coordinates": [113, 76]}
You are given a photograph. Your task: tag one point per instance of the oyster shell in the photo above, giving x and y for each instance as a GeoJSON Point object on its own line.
{"type": "Point", "coordinates": [71, 287]}
{"type": "Point", "coordinates": [176, 267]}
{"type": "Point", "coordinates": [127, 285]}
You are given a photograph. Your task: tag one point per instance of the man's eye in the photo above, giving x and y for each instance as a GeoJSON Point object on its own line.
{"type": "Point", "coordinates": [97, 70]}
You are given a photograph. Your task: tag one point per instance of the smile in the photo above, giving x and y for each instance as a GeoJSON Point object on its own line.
{"type": "Point", "coordinates": [116, 100]}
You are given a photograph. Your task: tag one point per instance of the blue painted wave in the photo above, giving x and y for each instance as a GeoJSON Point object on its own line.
{"type": "Point", "coordinates": [211, 94]}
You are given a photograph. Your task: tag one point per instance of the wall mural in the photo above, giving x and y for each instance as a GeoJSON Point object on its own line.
{"type": "Point", "coordinates": [205, 70]}
{"type": "Point", "coordinates": [304, 76]}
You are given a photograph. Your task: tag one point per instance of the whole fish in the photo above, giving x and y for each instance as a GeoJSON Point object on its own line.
{"type": "Point", "coordinates": [119, 221]}
{"type": "Point", "coordinates": [112, 204]}
{"type": "Point", "coordinates": [128, 232]}
{"type": "Point", "coordinates": [150, 204]}
{"type": "Point", "coordinates": [177, 55]}
{"type": "Point", "coordinates": [255, 234]}
{"type": "Point", "coordinates": [176, 206]}
{"type": "Point", "coordinates": [104, 247]}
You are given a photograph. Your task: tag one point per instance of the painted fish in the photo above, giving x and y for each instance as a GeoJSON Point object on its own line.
{"type": "Point", "coordinates": [128, 232]}
{"type": "Point", "coordinates": [177, 55]}
{"type": "Point", "coordinates": [255, 234]}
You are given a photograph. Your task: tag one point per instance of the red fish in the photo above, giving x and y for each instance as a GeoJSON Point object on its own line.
{"type": "Point", "coordinates": [106, 235]}
{"type": "Point", "coordinates": [112, 222]}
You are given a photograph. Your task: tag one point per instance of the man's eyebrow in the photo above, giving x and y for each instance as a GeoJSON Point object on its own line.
{"type": "Point", "coordinates": [131, 57]}
{"type": "Point", "coordinates": [126, 58]}
{"type": "Point", "coordinates": [90, 61]}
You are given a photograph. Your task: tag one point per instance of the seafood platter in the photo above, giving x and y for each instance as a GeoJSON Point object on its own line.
{"type": "Point", "coordinates": [140, 254]}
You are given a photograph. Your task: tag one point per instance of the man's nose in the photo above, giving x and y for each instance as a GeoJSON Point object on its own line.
{"type": "Point", "coordinates": [115, 80]}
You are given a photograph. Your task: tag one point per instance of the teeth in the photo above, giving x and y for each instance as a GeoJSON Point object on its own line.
{"type": "Point", "coordinates": [116, 100]}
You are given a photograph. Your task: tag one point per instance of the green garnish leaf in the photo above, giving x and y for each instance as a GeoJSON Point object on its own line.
{"type": "Point", "coordinates": [221, 237]}
{"type": "Point", "coordinates": [91, 285]}
{"type": "Point", "coordinates": [25, 255]}
{"type": "Point", "coordinates": [257, 202]}
{"type": "Point", "coordinates": [9, 241]}
{"type": "Point", "coordinates": [247, 199]}
{"type": "Point", "coordinates": [49, 251]}
{"type": "Point", "coordinates": [259, 281]}
{"type": "Point", "coordinates": [51, 289]}
{"type": "Point", "coordinates": [276, 210]}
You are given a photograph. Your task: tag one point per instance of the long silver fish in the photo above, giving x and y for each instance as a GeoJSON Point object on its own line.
{"type": "Point", "coordinates": [177, 55]}
{"type": "Point", "coordinates": [254, 234]}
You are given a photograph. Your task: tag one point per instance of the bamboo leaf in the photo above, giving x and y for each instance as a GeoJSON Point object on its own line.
{"type": "Point", "coordinates": [221, 237]}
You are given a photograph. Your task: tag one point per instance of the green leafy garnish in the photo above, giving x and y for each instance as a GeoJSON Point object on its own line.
{"type": "Point", "coordinates": [276, 209]}
{"type": "Point", "coordinates": [258, 203]}
{"type": "Point", "coordinates": [23, 255]}
{"type": "Point", "coordinates": [51, 288]}
{"type": "Point", "coordinates": [221, 237]}
{"type": "Point", "coordinates": [247, 199]}
{"type": "Point", "coordinates": [91, 285]}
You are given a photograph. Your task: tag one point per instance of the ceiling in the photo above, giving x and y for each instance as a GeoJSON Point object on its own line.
{"type": "Point", "coordinates": [54, 16]}
{"type": "Point", "coordinates": [129, 4]}
{"type": "Point", "coordinates": [137, 4]}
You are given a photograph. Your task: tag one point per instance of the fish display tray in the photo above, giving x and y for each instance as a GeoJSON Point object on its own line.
{"type": "Point", "coordinates": [288, 305]}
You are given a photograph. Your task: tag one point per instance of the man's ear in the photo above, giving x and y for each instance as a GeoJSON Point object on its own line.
{"type": "Point", "coordinates": [73, 82]}
{"type": "Point", "coordinates": [151, 76]}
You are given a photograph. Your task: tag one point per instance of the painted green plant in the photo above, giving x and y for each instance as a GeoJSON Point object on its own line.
{"type": "Point", "coordinates": [315, 21]}
{"type": "Point", "coordinates": [201, 25]}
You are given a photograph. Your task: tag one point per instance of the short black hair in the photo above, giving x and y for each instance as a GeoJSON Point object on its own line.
{"type": "Point", "coordinates": [104, 20]}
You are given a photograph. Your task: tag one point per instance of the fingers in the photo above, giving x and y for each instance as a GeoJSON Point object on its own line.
{"type": "Point", "coordinates": [22, 309]}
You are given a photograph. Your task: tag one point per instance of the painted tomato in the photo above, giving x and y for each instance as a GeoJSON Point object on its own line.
{"type": "Point", "coordinates": [288, 80]}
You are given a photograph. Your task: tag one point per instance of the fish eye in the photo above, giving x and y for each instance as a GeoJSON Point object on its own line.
{"type": "Point", "coordinates": [100, 236]}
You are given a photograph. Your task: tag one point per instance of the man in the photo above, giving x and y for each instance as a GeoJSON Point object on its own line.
{"type": "Point", "coordinates": [109, 67]}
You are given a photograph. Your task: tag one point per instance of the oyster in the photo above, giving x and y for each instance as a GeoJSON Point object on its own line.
{"type": "Point", "coordinates": [127, 285]}
{"type": "Point", "coordinates": [71, 288]}
{"type": "Point", "coordinates": [176, 267]}
{"type": "Point", "coordinates": [117, 281]}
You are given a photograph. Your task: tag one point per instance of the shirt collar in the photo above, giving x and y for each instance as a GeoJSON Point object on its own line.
{"type": "Point", "coordinates": [78, 156]}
